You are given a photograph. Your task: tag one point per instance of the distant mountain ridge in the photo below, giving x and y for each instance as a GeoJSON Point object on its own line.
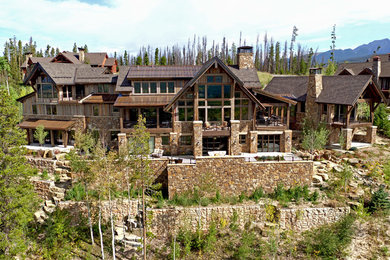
{"type": "Point", "coordinates": [359, 54]}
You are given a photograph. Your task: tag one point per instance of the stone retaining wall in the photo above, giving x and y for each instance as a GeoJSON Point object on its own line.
{"type": "Point", "coordinates": [163, 222]}
{"type": "Point", "coordinates": [47, 189]}
{"type": "Point", "coordinates": [43, 164]}
{"type": "Point", "coordinates": [232, 175]}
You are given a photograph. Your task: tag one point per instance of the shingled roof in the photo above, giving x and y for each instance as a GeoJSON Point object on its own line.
{"type": "Point", "coordinates": [140, 72]}
{"type": "Point", "coordinates": [95, 58]}
{"type": "Point", "coordinates": [123, 84]}
{"type": "Point", "coordinates": [248, 76]}
{"type": "Point", "coordinates": [341, 89]}
{"type": "Point", "coordinates": [358, 67]}
{"type": "Point", "coordinates": [35, 60]}
{"type": "Point", "coordinates": [70, 74]}
{"type": "Point", "coordinates": [293, 87]}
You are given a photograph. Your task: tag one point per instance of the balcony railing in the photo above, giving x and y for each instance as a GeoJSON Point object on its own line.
{"type": "Point", "coordinates": [271, 121]}
{"type": "Point", "coordinates": [148, 124]}
{"type": "Point", "coordinates": [358, 120]}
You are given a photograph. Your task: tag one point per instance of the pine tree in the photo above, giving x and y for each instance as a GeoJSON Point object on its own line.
{"type": "Point", "coordinates": [85, 48]}
{"type": "Point", "coordinates": [18, 201]}
{"type": "Point", "coordinates": [74, 47]}
{"type": "Point", "coordinates": [163, 61]}
{"type": "Point", "coordinates": [138, 60]}
{"type": "Point", "coordinates": [126, 58]}
{"type": "Point", "coordinates": [277, 58]}
{"type": "Point", "coordinates": [156, 57]}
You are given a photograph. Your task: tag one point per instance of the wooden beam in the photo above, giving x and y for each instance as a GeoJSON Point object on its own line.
{"type": "Point", "coordinates": [196, 102]}
{"type": "Point", "coordinates": [52, 137]}
{"type": "Point", "coordinates": [65, 138]}
{"type": "Point", "coordinates": [349, 114]}
{"type": "Point", "coordinates": [288, 117]}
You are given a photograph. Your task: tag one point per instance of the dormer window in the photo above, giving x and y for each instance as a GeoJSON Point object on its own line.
{"type": "Point", "coordinates": [103, 88]}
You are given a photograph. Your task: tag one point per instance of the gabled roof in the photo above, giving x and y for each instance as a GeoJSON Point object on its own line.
{"type": "Point", "coordinates": [70, 74]}
{"type": "Point", "coordinates": [123, 84]}
{"type": "Point", "coordinates": [340, 89]}
{"type": "Point", "coordinates": [168, 72]}
{"type": "Point", "coordinates": [34, 60]}
{"type": "Point", "coordinates": [293, 87]}
{"type": "Point", "coordinates": [357, 67]}
{"type": "Point", "coordinates": [343, 90]}
{"type": "Point", "coordinates": [202, 71]}
{"type": "Point", "coordinates": [70, 56]}
{"type": "Point", "coordinates": [21, 99]}
{"type": "Point", "coordinates": [95, 58]}
{"type": "Point", "coordinates": [110, 62]}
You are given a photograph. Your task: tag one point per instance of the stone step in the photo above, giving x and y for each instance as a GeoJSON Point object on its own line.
{"type": "Point", "coordinates": [48, 210]}
{"type": "Point", "coordinates": [40, 216]}
{"type": "Point", "coordinates": [49, 204]}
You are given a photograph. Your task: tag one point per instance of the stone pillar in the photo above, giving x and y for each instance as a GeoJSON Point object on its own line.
{"type": "Point", "coordinates": [174, 142]}
{"type": "Point", "coordinates": [253, 142]}
{"type": "Point", "coordinates": [234, 137]}
{"type": "Point", "coordinates": [158, 142]}
{"type": "Point", "coordinates": [371, 134]}
{"type": "Point", "coordinates": [286, 141]}
{"type": "Point", "coordinates": [198, 141]}
{"type": "Point", "coordinates": [347, 133]}
{"type": "Point", "coordinates": [122, 140]}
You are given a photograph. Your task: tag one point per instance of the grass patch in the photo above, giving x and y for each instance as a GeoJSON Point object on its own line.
{"type": "Point", "coordinates": [264, 77]}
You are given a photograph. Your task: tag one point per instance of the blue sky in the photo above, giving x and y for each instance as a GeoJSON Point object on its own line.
{"type": "Point", "coordinates": [116, 25]}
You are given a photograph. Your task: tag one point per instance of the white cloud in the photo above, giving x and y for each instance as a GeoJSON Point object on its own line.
{"type": "Point", "coordinates": [129, 24]}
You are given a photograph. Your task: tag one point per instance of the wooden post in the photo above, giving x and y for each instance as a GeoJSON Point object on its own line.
{"type": "Point", "coordinates": [348, 115]}
{"type": "Point", "coordinates": [65, 138]}
{"type": "Point", "coordinates": [158, 116]}
{"type": "Point", "coordinates": [196, 103]}
{"type": "Point", "coordinates": [28, 136]}
{"type": "Point", "coordinates": [52, 137]}
{"type": "Point", "coordinates": [288, 116]}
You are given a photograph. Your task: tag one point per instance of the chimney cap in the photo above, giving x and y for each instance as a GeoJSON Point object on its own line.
{"type": "Point", "coordinates": [376, 58]}
{"type": "Point", "coordinates": [315, 71]}
{"type": "Point", "coordinates": [245, 49]}
{"type": "Point", "coordinates": [81, 49]}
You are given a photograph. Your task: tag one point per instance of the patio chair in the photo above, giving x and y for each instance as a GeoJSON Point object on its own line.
{"type": "Point", "coordinates": [157, 153]}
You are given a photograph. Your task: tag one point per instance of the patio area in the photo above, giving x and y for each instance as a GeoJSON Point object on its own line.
{"type": "Point", "coordinates": [48, 147]}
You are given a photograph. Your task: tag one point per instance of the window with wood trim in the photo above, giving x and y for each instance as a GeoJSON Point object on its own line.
{"type": "Point", "coordinates": [268, 143]}
{"type": "Point", "coordinates": [185, 140]}
{"type": "Point", "coordinates": [154, 87]}
{"type": "Point", "coordinates": [241, 106]}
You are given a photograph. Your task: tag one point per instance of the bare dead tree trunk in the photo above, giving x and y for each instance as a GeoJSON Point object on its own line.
{"type": "Point", "coordinates": [89, 215]}
{"type": "Point", "coordinates": [100, 228]}
{"type": "Point", "coordinates": [144, 218]}
{"type": "Point", "coordinates": [112, 225]}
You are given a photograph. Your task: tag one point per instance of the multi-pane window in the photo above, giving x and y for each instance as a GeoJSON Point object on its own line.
{"type": "Point", "coordinates": [95, 110]}
{"type": "Point", "coordinates": [165, 140]}
{"type": "Point", "coordinates": [268, 143]}
{"type": "Point", "coordinates": [67, 92]}
{"type": "Point", "coordinates": [103, 88]}
{"type": "Point", "coordinates": [185, 140]}
{"type": "Point", "coordinates": [242, 139]}
{"type": "Point", "coordinates": [154, 87]}
{"type": "Point", "coordinates": [51, 110]}
{"type": "Point", "coordinates": [163, 120]}
{"type": "Point", "coordinates": [45, 88]}
{"type": "Point", "coordinates": [214, 100]}
{"type": "Point", "coordinates": [241, 106]}
{"type": "Point", "coordinates": [186, 108]}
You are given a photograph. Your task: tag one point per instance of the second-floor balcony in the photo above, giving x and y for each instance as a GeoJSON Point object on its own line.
{"type": "Point", "coordinates": [149, 124]}
{"type": "Point", "coordinates": [271, 121]}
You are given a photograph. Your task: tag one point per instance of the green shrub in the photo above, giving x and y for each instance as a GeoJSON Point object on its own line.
{"type": "Point", "coordinates": [380, 201]}
{"type": "Point", "coordinates": [257, 194]}
{"type": "Point", "coordinates": [246, 249]}
{"type": "Point", "coordinates": [329, 241]}
{"type": "Point", "coordinates": [296, 194]}
{"type": "Point", "coordinates": [381, 119]}
{"type": "Point", "coordinates": [76, 193]}
{"type": "Point", "coordinates": [45, 175]}
{"type": "Point", "coordinates": [233, 221]}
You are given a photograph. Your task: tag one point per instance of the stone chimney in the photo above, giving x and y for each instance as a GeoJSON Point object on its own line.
{"type": "Point", "coordinates": [376, 67]}
{"type": "Point", "coordinates": [28, 55]}
{"type": "Point", "coordinates": [245, 57]}
{"type": "Point", "coordinates": [314, 88]}
{"type": "Point", "coordinates": [81, 54]}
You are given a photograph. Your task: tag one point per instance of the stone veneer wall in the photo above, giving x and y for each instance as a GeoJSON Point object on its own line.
{"type": "Point", "coordinates": [167, 221]}
{"type": "Point", "coordinates": [163, 222]}
{"type": "Point", "coordinates": [232, 175]}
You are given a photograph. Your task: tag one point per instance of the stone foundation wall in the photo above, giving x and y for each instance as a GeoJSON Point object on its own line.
{"type": "Point", "coordinates": [232, 175]}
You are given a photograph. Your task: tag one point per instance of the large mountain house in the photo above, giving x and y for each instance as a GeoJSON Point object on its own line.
{"type": "Point", "coordinates": [377, 66]}
{"type": "Point", "coordinates": [188, 109]}
{"type": "Point", "coordinates": [344, 103]}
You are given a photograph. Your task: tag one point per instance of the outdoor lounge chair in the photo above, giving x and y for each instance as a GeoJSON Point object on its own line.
{"type": "Point", "coordinates": [157, 153]}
